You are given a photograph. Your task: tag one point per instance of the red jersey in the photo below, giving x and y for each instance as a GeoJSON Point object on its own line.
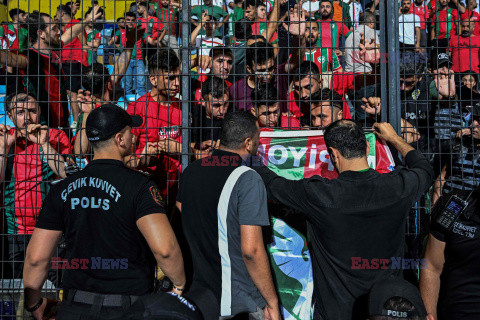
{"type": "Point", "coordinates": [152, 26]}
{"type": "Point", "coordinates": [260, 26]}
{"type": "Point", "coordinates": [421, 11]}
{"type": "Point", "coordinates": [73, 51]}
{"type": "Point", "coordinates": [444, 23]}
{"type": "Point", "coordinates": [137, 53]}
{"type": "Point", "coordinates": [159, 122]}
{"type": "Point", "coordinates": [330, 32]}
{"type": "Point", "coordinates": [27, 178]}
{"type": "Point", "coordinates": [168, 18]}
{"type": "Point", "coordinates": [465, 52]}
{"type": "Point", "coordinates": [475, 17]}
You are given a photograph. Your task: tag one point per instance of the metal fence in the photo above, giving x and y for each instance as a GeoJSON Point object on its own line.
{"type": "Point", "coordinates": [195, 61]}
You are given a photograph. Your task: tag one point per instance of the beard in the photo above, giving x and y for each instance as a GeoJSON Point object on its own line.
{"type": "Point", "coordinates": [466, 34]}
{"type": "Point", "coordinates": [310, 42]}
{"type": "Point", "coordinates": [326, 16]}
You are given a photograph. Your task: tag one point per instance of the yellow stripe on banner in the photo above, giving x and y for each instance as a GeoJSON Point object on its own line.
{"type": "Point", "coordinates": [113, 9]}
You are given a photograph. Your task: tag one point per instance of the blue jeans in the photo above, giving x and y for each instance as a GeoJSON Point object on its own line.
{"type": "Point", "coordinates": [135, 78]}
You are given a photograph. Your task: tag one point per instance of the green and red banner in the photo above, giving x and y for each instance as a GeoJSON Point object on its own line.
{"type": "Point", "coordinates": [296, 155]}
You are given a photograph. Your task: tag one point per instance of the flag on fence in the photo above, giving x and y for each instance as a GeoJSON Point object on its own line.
{"type": "Point", "coordinates": [296, 155]}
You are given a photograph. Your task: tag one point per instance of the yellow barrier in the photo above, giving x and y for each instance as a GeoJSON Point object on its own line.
{"type": "Point", "coordinates": [113, 9]}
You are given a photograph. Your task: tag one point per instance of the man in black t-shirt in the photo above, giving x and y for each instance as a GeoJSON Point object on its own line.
{"type": "Point", "coordinates": [207, 117]}
{"type": "Point", "coordinates": [450, 282]}
{"type": "Point", "coordinates": [113, 220]}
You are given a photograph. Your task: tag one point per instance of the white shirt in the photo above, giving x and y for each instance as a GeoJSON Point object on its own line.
{"type": "Point", "coordinates": [311, 6]}
{"type": "Point", "coordinates": [406, 29]}
{"type": "Point", "coordinates": [219, 3]}
{"type": "Point", "coordinates": [355, 10]}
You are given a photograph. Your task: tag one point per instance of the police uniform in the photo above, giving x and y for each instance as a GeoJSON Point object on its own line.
{"type": "Point", "coordinates": [108, 263]}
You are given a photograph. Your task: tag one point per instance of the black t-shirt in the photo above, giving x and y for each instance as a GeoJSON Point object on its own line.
{"type": "Point", "coordinates": [460, 280]}
{"type": "Point", "coordinates": [97, 208]}
{"type": "Point", "coordinates": [203, 128]}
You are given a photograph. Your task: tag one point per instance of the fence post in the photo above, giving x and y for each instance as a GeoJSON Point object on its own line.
{"type": "Point", "coordinates": [185, 90]}
{"type": "Point", "coordinates": [392, 71]}
{"type": "Point", "coordinates": [383, 63]}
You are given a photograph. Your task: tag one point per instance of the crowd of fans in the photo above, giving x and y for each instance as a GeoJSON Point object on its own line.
{"type": "Point", "coordinates": [293, 64]}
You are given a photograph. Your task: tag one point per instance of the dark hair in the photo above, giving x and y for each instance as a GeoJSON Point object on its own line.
{"type": "Point", "coordinates": [326, 94]}
{"type": "Point", "coordinates": [15, 12]}
{"type": "Point", "coordinates": [397, 304]}
{"type": "Point", "coordinates": [260, 3]}
{"type": "Point", "coordinates": [470, 73]}
{"type": "Point", "coordinates": [142, 4]}
{"type": "Point", "coordinates": [305, 69]}
{"type": "Point", "coordinates": [130, 14]}
{"type": "Point", "coordinates": [36, 22]}
{"type": "Point", "coordinates": [236, 127]}
{"type": "Point", "coordinates": [259, 53]}
{"type": "Point", "coordinates": [65, 9]}
{"type": "Point", "coordinates": [249, 3]}
{"type": "Point", "coordinates": [264, 95]}
{"type": "Point", "coordinates": [120, 18]}
{"type": "Point", "coordinates": [214, 86]}
{"type": "Point", "coordinates": [256, 37]}
{"type": "Point", "coordinates": [347, 137]}
{"type": "Point", "coordinates": [95, 78]}
{"type": "Point", "coordinates": [411, 64]}
{"type": "Point", "coordinates": [21, 96]}
{"type": "Point", "coordinates": [243, 29]}
{"type": "Point", "coordinates": [366, 17]}
{"type": "Point", "coordinates": [220, 51]}
{"type": "Point", "coordinates": [164, 60]}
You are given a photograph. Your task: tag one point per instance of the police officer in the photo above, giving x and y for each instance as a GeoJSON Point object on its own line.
{"type": "Point", "coordinates": [113, 220]}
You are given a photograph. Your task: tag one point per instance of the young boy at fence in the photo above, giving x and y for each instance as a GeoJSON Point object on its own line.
{"type": "Point", "coordinates": [158, 140]}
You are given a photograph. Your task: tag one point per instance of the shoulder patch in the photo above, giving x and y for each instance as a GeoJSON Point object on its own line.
{"type": "Point", "coordinates": [156, 195]}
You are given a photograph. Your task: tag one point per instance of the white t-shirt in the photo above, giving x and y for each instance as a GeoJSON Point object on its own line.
{"type": "Point", "coordinates": [406, 29]}
{"type": "Point", "coordinates": [355, 10]}
{"type": "Point", "coordinates": [219, 3]}
{"type": "Point", "coordinates": [311, 6]}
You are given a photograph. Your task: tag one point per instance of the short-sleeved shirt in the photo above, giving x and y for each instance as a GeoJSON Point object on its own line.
{"type": "Point", "coordinates": [422, 12]}
{"type": "Point", "coordinates": [406, 28]}
{"type": "Point", "coordinates": [27, 178]}
{"type": "Point", "coordinates": [465, 52]}
{"type": "Point", "coordinates": [444, 24]}
{"type": "Point", "coordinates": [459, 296]}
{"type": "Point", "coordinates": [260, 26]}
{"type": "Point", "coordinates": [213, 230]}
{"type": "Point", "coordinates": [353, 59]}
{"type": "Point", "coordinates": [159, 122]}
{"type": "Point", "coordinates": [16, 38]}
{"type": "Point", "coordinates": [168, 16]}
{"type": "Point", "coordinates": [330, 32]}
{"type": "Point", "coordinates": [73, 51]}
{"type": "Point", "coordinates": [97, 209]}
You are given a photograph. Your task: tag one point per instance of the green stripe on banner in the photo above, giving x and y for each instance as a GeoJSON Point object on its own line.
{"type": "Point", "coordinates": [372, 154]}
{"type": "Point", "coordinates": [287, 156]}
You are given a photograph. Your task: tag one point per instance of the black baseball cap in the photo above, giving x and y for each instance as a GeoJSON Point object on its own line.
{"type": "Point", "coordinates": [107, 120]}
{"type": "Point", "coordinates": [395, 287]}
{"type": "Point", "coordinates": [439, 60]}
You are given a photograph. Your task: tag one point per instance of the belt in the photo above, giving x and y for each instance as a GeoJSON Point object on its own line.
{"type": "Point", "coordinates": [105, 300]}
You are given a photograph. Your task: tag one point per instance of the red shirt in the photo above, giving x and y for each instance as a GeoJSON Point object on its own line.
{"type": "Point", "coordinates": [137, 54]}
{"type": "Point", "coordinates": [421, 11]}
{"type": "Point", "coordinates": [159, 122]}
{"type": "Point", "coordinates": [73, 51]}
{"type": "Point", "coordinates": [444, 24]}
{"type": "Point", "coordinates": [152, 26]}
{"type": "Point", "coordinates": [330, 33]}
{"type": "Point", "coordinates": [474, 16]}
{"type": "Point", "coordinates": [465, 52]}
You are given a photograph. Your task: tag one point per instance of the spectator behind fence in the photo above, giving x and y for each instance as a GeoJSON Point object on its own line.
{"type": "Point", "coordinates": [395, 298]}
{"type": "Point", "coordinates": [465, 48]}
{"type": "Point", "coordinates": [168, 15]}
{"type": "Point", "coordinates": [135, 75]}
{"type": "Point", "coordinates": [450, 282]}
{"type": "Point", "coordinates": [42, 73]}
{"type": "Point", "coordinates": [15, 31]}
{"type": "Point", "coordinates": [335, 209]}
{"type": "Point", "coordinates": [107, 197]}
{"type": "Point", "coordinates": [208, 115]}
{"type": "Point", "coordinates": [223, 220]}
{"type": "Point", "coordinates": [94, 38]}
{"type": "Point", "coordinates": [354, 59]}
{"type": "Point", "coordinates": [409, 28]}
{"type": "Point", "coordinates": [444, 26]}
{"type": "Point", "coordinates": [73, 57]}
{"type": "Point", "coordinates": [31, 156]}
{"type": "Point", "coordinates": [325, 58]}
{"type": "Point", "coordinates": [420, 8]}
{"type": "Point", "coordinates": [473, 15]}
{"type": "Point", "coordinates": [158, 139]}
{"type": "Point", "coordinates": [330, 29]}
{"type": "Point", "coordinates": [154, 30]}
{"type": "Point", "coordinates": [266, 107]}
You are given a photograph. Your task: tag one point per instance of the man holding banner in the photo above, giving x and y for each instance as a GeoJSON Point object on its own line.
{"type": "Point", "coordinates": [356, 223]}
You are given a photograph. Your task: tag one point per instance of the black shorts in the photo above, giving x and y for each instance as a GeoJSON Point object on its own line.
{"type": "Point", "coordinates": [72, 75]}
